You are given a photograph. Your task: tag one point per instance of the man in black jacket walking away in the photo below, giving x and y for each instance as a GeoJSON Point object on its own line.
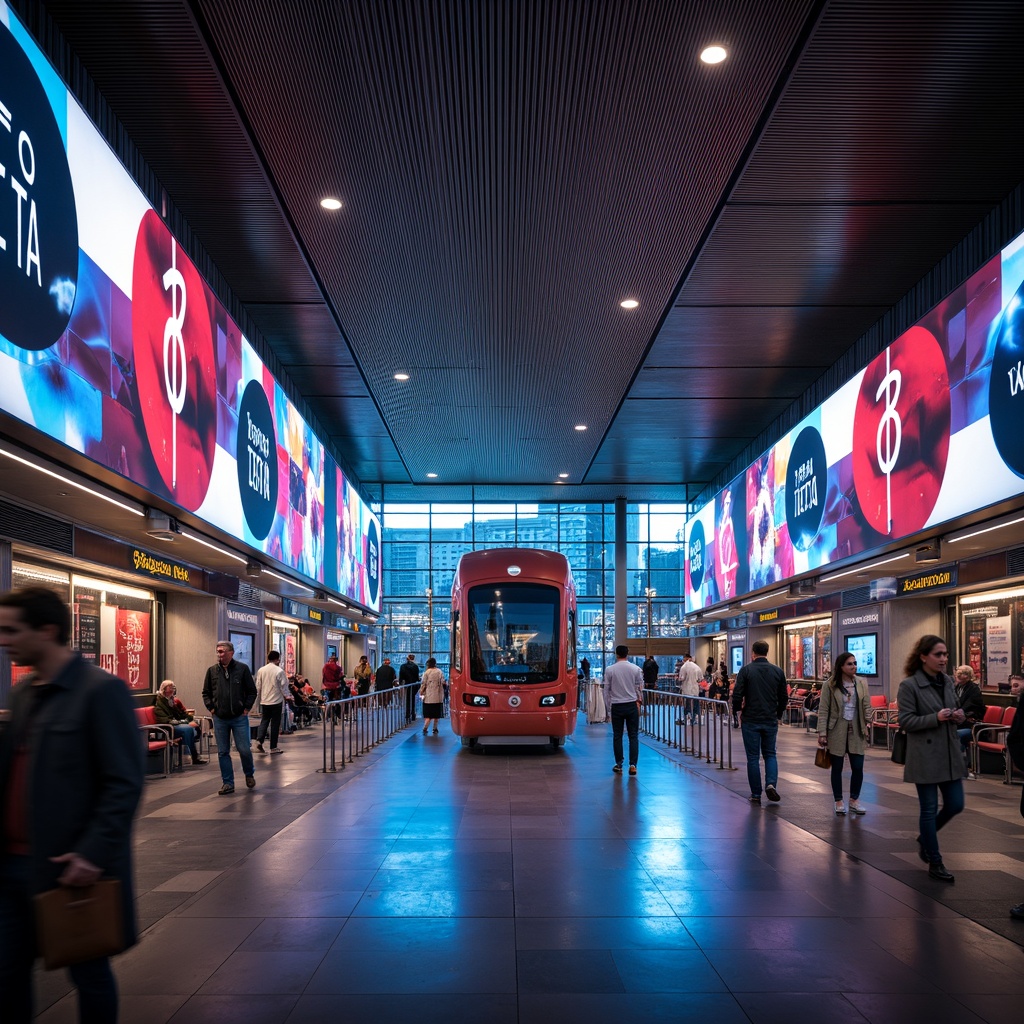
{"type": "Point", "coordinates": [409, 674]}
{"type": "Point", "coordinates": [228, 693]}
{"type": "Point", "coordinates": [760, 693]}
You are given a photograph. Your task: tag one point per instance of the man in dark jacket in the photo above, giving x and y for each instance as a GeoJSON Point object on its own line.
{"type": "Point", "coordinates": [760, 693]}
{"type": "Point", "coordinates": [384, 681]}
{"type": "Point", "coordinates": [409, 674]}
{"type": "Point", "coordinates": [228, 693]}
{"type": "Point", "coordinates": [71, 776]}
{"type": "Point", "coordinates": [650, 671]}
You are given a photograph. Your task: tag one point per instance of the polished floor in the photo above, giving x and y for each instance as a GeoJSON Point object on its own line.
{"type": "Point", "coordinates": [426, 883]}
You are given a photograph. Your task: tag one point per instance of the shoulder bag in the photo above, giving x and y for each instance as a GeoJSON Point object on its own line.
{"type": "Point", "coordinates": [899, 747]}
{"type": "Point", "coordinates": [822, 758]}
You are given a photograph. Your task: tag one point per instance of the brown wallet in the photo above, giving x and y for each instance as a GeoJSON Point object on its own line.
{"type": "Point", "coordinates": [74, 925]}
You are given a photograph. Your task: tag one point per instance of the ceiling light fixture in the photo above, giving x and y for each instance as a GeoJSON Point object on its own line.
{"type": "Point", "coordinates": [580, 426]}
{"type": "Point", "coordinates": [134, 509]}
{"type": "Point", "coordinates": [330, 203]}
{"type": "Point", "coordinates": [713, 54]}
{"type": "Point", "coordinates": [985, 529]}
{"type": "Point", "coordinates": [864, 568]}
{"type": "Point", "coordinates": [401, 376]}
{"type": "Point", "coordinates": [431, 476]}
{"type": "Point", "coordinates": [763, 597]}
{"type": "Point", "coordinates": [563, 476]}
{"type": "Point", "coordinates": [629, 303]}
{"type": "Point", "coordinates": [214, 547]}
{"type": "Point", "coordinates": [291, 583]}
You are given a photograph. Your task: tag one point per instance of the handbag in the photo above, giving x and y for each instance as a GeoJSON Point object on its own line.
{"type": "Point", "coordinates": [899, 747]}
{"type": "Point", "coordinates": [822, 758]}
{"type": "Point", "coordinates": [78, 924]}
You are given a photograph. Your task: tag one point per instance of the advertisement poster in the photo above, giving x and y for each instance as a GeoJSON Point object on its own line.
{"type": "Point", "coordinates": [113, 344]}
{"type": "Point", "coordinates": [132, 655]}
{"type": "Point", "coordinates": [997, 649]}
{"type": "Point", "coordinates": [86, 622]}
{"type": "Point", "coordinates": [886, 455]}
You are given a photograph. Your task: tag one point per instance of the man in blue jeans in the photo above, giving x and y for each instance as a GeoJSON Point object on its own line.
{"type": "Point", "coordinates": [228, 693]}
{"type": "Point", "coordinates": [623, 692]}
{"type": "Point", "coordinates": [760, 694]}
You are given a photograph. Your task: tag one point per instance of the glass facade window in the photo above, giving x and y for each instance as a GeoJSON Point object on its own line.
{"type": "Point", "coordinates": [422, 544]}
{"type": "Point", "coordinates": [992, 637]}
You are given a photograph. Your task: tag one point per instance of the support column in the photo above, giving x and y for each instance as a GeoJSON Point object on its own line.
{"type": "Point", "coordinates": [621, 614]}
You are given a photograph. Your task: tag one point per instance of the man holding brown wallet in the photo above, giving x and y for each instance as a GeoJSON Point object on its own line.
{"type": "Point", "coordinates": [72, 741]}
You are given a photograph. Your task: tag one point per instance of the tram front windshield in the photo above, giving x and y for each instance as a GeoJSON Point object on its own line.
{"type": "Point", "coordinates": [513, 633]}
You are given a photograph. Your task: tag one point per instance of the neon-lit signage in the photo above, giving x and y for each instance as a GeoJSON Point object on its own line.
{"type": "Point", "coordinates": [112, 343]}
{"type": "Point", "coordinates": [929, 431]}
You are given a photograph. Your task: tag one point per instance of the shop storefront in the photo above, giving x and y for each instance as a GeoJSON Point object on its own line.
{"type": "Point", "coordinates": [113, 624]}
{"type": "Point", "coordinates": [806, 649]}
{"type": "Point", "coordinates": [991, 636]}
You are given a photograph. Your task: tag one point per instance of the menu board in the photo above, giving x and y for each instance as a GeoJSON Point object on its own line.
{"type": "Point", "coordinates": [113, 344]}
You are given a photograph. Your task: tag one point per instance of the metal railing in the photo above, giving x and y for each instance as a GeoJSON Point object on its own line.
{"type": "Point", "coordinates": [693, 725]}
{"type": "Point", "coordinates": [354, 725]}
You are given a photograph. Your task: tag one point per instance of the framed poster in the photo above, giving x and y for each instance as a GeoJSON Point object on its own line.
{"type": "Point", "coordinates": [243, 647]}
{"type": "Point", "coordinates": [864, 647]}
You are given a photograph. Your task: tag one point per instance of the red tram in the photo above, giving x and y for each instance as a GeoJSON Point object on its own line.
{"type": "Point", "coordinates": [513, 661]}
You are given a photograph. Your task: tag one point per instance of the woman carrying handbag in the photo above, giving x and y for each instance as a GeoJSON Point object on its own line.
{"type": "Point", "coordinates": [843, 728]}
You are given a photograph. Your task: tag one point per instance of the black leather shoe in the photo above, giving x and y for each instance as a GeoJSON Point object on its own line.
{"type": "Point", "coordinates": [1017, 911]}
{"type": "Point", "coordinates": [938, 871]}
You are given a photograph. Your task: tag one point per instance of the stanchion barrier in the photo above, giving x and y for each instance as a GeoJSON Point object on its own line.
{"type": "Point", "coordinates": [354, 725]}
{"type": "Point", "coordinates": [693, 725]}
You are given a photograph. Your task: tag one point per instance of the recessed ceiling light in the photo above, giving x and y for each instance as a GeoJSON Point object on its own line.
{"type": "Point", "coordinates": [432, 476]}
{"type": "Point", "coordinates": [330, 203]}
{"type": "Point", "coordinates": [563, 476]}
{"type": "Point", "coordinates": [559, 481]}
{"type": "Point", "coordinates": [401, 376]}
{"type": "Point", "coordinates": [581, 426]}
{"type": "Point", "coordinates": [713, 54]}
{"type": "Point", "coordinates": [629, 303]}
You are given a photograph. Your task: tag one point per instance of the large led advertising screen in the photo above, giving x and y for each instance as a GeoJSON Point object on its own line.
{"type": "Point", "coordinates": [930, 430]}
{"type": "Point", "coordinates": [112, 343]}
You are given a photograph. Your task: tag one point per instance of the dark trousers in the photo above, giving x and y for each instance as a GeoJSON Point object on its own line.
{"type": "Point", "coordinates": [270, 718]}
{"type": "Point", "coordinates": [410, 703]}
{"type": "Point", "coordinates": [856, 777]}
{"type": "Point", "coordinates": [97, 990]}
{"type": "Point", "coordinates": [627, 715]}
{"type": "Point", "coordinates": [932, 819]}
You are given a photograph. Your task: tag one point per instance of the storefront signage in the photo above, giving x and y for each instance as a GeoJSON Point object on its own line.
{"type": "Point", "coordinates": [144, 371]}
{"type": "Point", "coordinates": [934, 580]}
{"type": "Point", "coordinates": [768, 616]}
{"type": "Point", "coordinates": [885, 456]}
{"type": "Point", "coordinates": [244, 617]}
{"type": "Point", "coordinates": [870, 617]}
{"type": "Point", "coordinates": [315, 615]}
{"type": "Point", "coordinates": [156, 567]}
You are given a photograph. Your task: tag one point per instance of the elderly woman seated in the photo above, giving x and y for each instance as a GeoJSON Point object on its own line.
{"type": "Point", "coordinates": [169, 711]}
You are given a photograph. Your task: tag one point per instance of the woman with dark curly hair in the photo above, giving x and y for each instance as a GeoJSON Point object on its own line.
{"type": "Point", "coordinates": [929, 715]}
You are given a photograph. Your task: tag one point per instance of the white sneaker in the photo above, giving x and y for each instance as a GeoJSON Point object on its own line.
{"type": "Point", "coordinates": [856, 807]}
{"type": "Point", "coordinates": [840, 808]}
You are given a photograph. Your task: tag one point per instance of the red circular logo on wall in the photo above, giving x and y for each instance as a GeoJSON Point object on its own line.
{"type": "Point", "coordinates": [901, 434]}
{"type": "Point", "coordinates": [174, 362]}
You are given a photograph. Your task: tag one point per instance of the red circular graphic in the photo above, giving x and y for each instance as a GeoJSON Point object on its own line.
{"type": "Point", "coordinates": [172, 336]}
{"type": "Point", "coordinates": [901, 434]}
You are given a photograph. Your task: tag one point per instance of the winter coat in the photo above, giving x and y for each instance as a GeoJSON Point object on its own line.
{"type": "Point", "coordinates": [844, 736]}
{"type": "Point", "coordinates": [933, 747]}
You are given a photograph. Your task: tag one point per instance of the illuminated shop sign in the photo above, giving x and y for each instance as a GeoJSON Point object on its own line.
{"type": "Point", "coordinates": [112, 343]}
{"type": "Point", "coordinates": [157, 567]}
{"type": "Point", "coordinates": [934, 579]}
{"type": "Point", "coordinates": [768, 616]}
{"type": "Point", "coordinates": [886, 456]}
{"type": "Point", "coordinates": [315, 615]}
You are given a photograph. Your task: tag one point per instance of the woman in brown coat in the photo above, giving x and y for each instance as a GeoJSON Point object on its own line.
{"type": "Point", "coordinates": [929, 715]}
{"type": "Point", "coordinates": [843, 728]}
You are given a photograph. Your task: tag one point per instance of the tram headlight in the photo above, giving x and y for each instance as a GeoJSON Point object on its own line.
{"type": "Point", "coordinates": [476, 700]}
{"type": "Point", "coordinates": [552, 700]}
